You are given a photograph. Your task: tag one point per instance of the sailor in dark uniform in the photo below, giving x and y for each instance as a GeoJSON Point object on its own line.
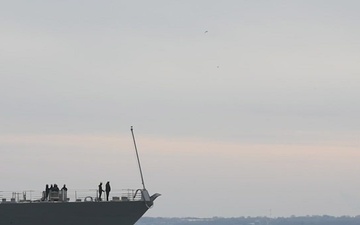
{"type": "Point", "coordinates": [107, 189]}
{"type": "Point", "coordinates": [64, 188]}
{"type": "Point", "coordinates": [47, 190]}
{"type": "Point", "coordinates": [100, 191]}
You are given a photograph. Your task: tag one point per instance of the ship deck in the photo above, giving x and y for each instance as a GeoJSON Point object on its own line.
{"type": "Point", "coordinates": [78, 195]}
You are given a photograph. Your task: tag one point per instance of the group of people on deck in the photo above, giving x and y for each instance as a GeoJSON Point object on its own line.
{"type": "Point", "coordinates": [54, 189]}
{"type": "Point", "coordinates": [107, 190]}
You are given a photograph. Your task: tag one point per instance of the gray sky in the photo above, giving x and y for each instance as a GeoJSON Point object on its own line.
{"type": "Point", "coordinates": [239, 107]}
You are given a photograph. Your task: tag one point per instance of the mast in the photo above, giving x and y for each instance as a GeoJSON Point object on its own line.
{"type": "Point", "coordinates": [137, 156]}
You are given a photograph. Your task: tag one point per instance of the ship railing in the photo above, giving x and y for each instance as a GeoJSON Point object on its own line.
{"type": "Point", "coordinates": [115, 195]}
{"type": "Point", "coordinates": [20, 196]}
{"type": "Point", "coordinates": [71, 195]}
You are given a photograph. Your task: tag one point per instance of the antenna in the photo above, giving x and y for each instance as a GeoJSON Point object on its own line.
{"type": "Point", "coordinates": [137, 155]}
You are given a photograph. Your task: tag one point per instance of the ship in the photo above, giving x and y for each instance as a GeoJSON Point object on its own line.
{"type": "Point", "coordinates": [125, 207]}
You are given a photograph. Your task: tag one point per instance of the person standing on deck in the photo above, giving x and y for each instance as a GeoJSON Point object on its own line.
{"type": "Point", "coordinates": [63, 194]}
{"type": "Point", "coordinates": [64, 188]}
{"type": "Point", "coordinates": [107, 190]}
{"type": "Point", "coordinates": [100, 191]}
{"type": "Point", "coordinates": [56, 188]}
{"type": "Point", "coordinates": [47, 190]}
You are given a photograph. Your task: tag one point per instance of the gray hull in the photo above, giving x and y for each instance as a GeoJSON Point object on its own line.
{"type": "Point", "coordinates": [73, 213]}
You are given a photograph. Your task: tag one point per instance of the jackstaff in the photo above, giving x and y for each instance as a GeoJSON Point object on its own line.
{"type": "Point", "coordinates": [137, 155]}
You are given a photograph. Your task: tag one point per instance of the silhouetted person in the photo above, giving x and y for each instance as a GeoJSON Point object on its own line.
{"type": "Point", "coordinates": [107, 190]}
{"type": "Point", "coordinates": [51, 187]}
{"type": "Point", "coordinates": [56, 188]}
{"type": "Point", "coordinates": [63, 195]}
{"type": "Point", "coordinates": [100, 191]}
{"type": "Point", "coordinates": [47, 190]}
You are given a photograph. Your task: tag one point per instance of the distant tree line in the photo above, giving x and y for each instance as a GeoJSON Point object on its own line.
{"type": "Point", "coordinates": [293, 220]}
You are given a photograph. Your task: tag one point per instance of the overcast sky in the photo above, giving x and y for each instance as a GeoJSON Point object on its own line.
{"type": "Point", "coordinates": [240, 108]}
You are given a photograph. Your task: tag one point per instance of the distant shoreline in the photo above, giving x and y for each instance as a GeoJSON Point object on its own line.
{"type": "Point", "coordinates": [292, 220]}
